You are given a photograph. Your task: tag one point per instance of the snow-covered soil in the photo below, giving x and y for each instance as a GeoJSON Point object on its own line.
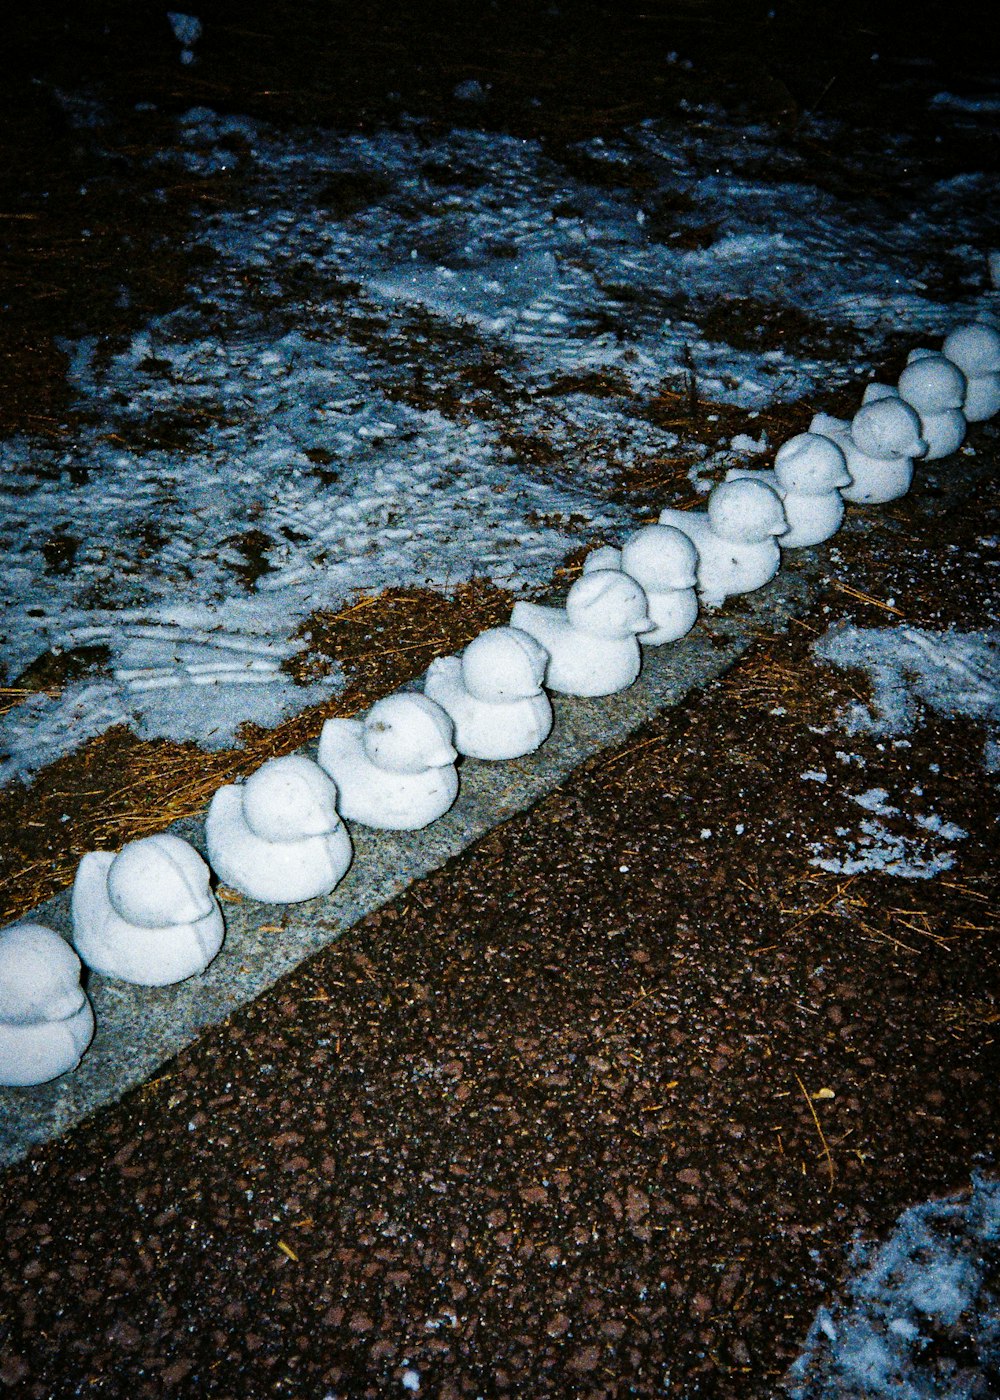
{"type": "Point", "coordinates": [408, 358]}
{"type": "Point", "coordinates": [910, 669]}
{"type": "Point", "coordinates": [920, 1318]}
{"type": "Point", "coordinates": [947, 671]}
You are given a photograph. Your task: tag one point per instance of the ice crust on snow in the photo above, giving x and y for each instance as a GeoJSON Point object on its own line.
{"type": "Point", "coordinates": [920, 1317]}
{"type": "Point", "coordinates": [263, 451]}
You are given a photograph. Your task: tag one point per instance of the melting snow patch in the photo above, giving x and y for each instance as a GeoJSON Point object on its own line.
{"type": "Point", "coordinates": [954, 673]}
{"type": "Point", "coordinates": [876, 847]}
{"type": "Point", "coordinates": [920, 1320]}
{"type": "Point", "coordinates": [298, 429]}
{"type": "Point", "coordinates": [875, 800]}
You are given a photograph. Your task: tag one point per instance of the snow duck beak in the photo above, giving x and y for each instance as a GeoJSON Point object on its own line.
{"type": "Point", "coordinates": [442, 756]}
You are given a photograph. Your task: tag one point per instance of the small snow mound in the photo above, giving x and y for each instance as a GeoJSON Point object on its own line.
{"type": "Point", "coordinates": [470, 90]}
{"type": "Point", "coordinates": [743, 442]}
{"type": "Point", "coordinates": [187, 32]}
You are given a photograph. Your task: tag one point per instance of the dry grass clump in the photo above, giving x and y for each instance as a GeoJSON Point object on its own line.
{"type": "Point", "coordinates": [793, 687]}
{"type": "Point", "coordinates": [698, 424]}
{"type": "Point", "coordinates": [384, 639]}
{"type": "Point", "coordinates": [812, 895]}
{"type": "Point", "coordinates": [661, 481]}
{"type": "Point", "coordinates": [684, 412]}
{"type": "Point", "coordinates": [119, 787]}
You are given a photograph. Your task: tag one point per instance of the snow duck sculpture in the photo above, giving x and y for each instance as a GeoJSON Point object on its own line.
{"type": "Point", "coordinates": [396, 768]}
{"type": "Point", "coordinates": [975, 348]}
{"type": "Point", "coordinates": [591, 642]}
{"type": "Point", "coordinates": [278, 837]}
{"type": "Point", "coordinates": [879, 443]}
{"type": "Point", "coordinates": [46, 1020]}
{"type": "Point", "coordinates": [936, 388]}
{"type": "Point", "coordinates": [493, 693]}
{"type": "Point", "coordinates": [664, 564]}
{"type": "Point", "coordinates": [808, 470]}
{"type": "Point", "coordinates": [734, 537]}
{"type": "Point", "coordinates": [147, 914]}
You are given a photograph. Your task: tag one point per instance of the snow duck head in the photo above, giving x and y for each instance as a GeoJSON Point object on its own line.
{"type": "Point", "coordinates": [810, 465]}
{"type": "Point", "coordinates": [660, 558]}
{"type": "Point", "coordinates": [975, 348]}
{"type": "Point", "coordinates": [608, 603]}
{"type": "Point", "coordinates": [158, 881]}
{"type": "Point", "coordinates": [932, 383]}
{"type": "Point", "coordinates": [888, 428]}
{"type": "Point", "coordinates": [39, 977]}
{"type": "Point", "coordinates": [408, 733]}
{"type": "Point", "coordinates": [504, 664]}
{"type": "Point", "coordinates": [290, 798]}
{"type": "Point", "coordinates": [746, 512]}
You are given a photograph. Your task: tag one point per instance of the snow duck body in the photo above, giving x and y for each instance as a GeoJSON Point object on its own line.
{"type": "Point", "coordinates": [592, 641]}
{"type": "Point", "coordinates": [146, 915]}
{"type": "Point", "coordinates": [395, 769]}
{"type": "Point", "coordinates": [735, 538]}
{"type": "Point", "coordinates": [494, 694]}
{"type": "Point", "coordinates": [46, 1020]}
{"type": "Point", "coordinates": [664, 562]}
{"type": "Point", "coordinates": [278, 837]}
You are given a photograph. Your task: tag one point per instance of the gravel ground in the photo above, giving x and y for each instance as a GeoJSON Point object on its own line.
{"type": "Point", "coordinates": [594, 1110]}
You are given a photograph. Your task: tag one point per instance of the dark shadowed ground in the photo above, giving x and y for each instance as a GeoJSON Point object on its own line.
{"type": "Point", "coordinates": [595, 1110]}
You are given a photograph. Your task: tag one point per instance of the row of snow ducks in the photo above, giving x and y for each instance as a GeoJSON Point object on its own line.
{"type": "Point", "coordinates": [148, 914]}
